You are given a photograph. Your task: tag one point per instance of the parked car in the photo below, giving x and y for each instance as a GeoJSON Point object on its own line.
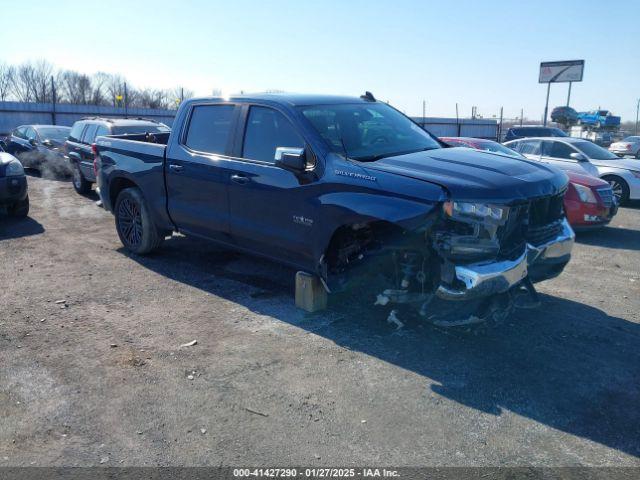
{"type": "Point", "coordinates": [14, 197]}
{"type": "Point", "coordinates": [79, 148]}
{"type": "Point", "coordinates": [582, 156]}
{"type": "Point", "coordinates": [589, 201]}
{"type": "Point", "coordinates": [333, 186]}
{"type": "Point", "coordinates": [39, 147]}
{"type": "Point", "coordinates": [480, 144]}
{"type": "Point", "coordinates": [533, 131]}
{"type": "Point", "coordinates": [627, 146]}
{"type": "Point", "coordinates": [598, 119]}
{"type": "Point", "coordinates": [564, 115]}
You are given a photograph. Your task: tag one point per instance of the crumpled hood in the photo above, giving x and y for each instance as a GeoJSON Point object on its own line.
{"type": "Point", "coordinates": [477, 176]}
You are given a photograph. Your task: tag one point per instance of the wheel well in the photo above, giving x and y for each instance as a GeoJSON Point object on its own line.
{"type": "Point", "coordinates": [349, 240]}
{"type": "Point", "coordinates": [116, 186]}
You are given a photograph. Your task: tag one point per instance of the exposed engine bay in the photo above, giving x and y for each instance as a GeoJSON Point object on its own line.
{"type": "Point", "coordinates": [468, 263]}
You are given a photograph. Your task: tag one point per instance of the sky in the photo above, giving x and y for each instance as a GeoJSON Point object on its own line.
{"type": "Point", "coordinates": [474, 53]}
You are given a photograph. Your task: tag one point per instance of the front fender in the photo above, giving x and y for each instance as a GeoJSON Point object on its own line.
{"type": "Point", "coordinates": [349, 208]}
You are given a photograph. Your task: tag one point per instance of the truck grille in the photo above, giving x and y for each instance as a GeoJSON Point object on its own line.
{"type": "Point", "coordinates": [536, 222]}
{"type": "Point", "coordinates": [606, 195]}
{"type": "Point", "coordinates": [543, 211]}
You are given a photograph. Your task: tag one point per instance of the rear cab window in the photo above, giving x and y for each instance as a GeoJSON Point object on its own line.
{"type": "Point", "coordinates": [209, 128]}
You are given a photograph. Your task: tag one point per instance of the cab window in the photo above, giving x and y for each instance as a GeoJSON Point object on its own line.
{"type": "Point", "coordinates": [266, 130]}
{"type": "Point", "coordinates": [209, 128]}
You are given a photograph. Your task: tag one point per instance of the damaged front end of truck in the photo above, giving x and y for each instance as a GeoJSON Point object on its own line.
{"type": "Point", "coordinates": [467, 263]}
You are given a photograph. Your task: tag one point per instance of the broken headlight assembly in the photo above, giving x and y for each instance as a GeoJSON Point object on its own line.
{"type": "Point", "coordinates": [474, 211]}
{"type": "Point", "coordinates": [474, 237]}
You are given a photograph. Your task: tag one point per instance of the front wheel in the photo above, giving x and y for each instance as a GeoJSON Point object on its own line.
{"type": "Point", "coordinates": [135, 227]}
{"type": "Point", "coordinates": [80, 184]}
{"type": "Point", "coordinates": [619, 187]}
{"type": "Point", "coordinates": [20, 209]}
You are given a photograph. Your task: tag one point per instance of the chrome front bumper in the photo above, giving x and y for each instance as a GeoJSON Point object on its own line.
{"type": "Point", "coordinates": [485, 279]}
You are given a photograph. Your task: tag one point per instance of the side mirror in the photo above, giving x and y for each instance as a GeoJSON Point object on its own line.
{"type": "Point", "coordinates": [32, 142]}
{"type": "Point", "coordinates": [291, 158]}
{"type": "Point", "coordinates": [580, 157]}
{"type": "Point", "coordinates": [47, 143]}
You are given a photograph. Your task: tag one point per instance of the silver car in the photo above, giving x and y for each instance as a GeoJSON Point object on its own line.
{"type": "Point", "coordinates": [627, 146]}
{"type": "Point", "coordinates": [582, 156]}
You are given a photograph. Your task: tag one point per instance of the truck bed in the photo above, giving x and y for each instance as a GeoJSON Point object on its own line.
{"type": "Point", "coordinates": [138, 158]}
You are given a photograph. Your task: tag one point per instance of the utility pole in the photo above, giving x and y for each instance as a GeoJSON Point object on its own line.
{"type": "Point", "coordinates": [53, 101]}
{"type": "Point", "coordinates": [424, 112]}
{"type": "Point", "coordinates": [521, 115]}
{"type": "Point", "coordinates": [500, 127]}
{"type": "Point", "coordinates": [125, 99]}
{"type": "Point", "coordinates": [546, 105]}
{"type": "Point", "coordinates": [637, 112]}
{"type": "Point", "coordinates": [457, 121]}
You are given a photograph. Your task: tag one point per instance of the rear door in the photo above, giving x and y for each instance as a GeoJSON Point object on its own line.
{"type": "Point", "coordinates": [197, 171]}
{"type": "Point", "coordinates": [270, 211]}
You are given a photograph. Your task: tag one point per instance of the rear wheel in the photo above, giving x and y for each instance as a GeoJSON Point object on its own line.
{"type": "Point", "coordinates": [619, 187]}
{"type": "Point", "coordinates": [80, 184]}
{"type": "Point", "coordinates": [135, 227]}
{"type": "Point", "coordinates": [20, 209]}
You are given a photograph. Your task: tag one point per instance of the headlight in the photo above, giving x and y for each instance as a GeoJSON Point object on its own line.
{"type": "Point", "coordinates": [585, 193]}
{"type": "Point", "coordinates": [14, 169]}
{"type": "Point", "coordinates": [456, 209]}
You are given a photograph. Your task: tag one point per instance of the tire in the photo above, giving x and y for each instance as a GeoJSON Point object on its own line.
{"type": "Point", "coordinates": [620, 188]}
{"type": "Point", "coordinates": [20, 209]}
{"type": "Point", "coordinates": [80, 184]}
{"type": "Point", "coordinates": [134, 225]}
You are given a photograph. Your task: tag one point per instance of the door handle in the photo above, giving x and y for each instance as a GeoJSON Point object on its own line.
{"type": "Point", "coordinates": [176, 168]}
{"type": "Point", "coordinates": [241, 179]}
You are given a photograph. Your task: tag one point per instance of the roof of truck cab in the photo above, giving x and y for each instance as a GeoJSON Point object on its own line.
{"type": "Point", "coordinates": [293, 99]}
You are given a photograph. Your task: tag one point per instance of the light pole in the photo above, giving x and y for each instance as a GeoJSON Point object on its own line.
{"type": "Point", "coordinates": [637, 112]}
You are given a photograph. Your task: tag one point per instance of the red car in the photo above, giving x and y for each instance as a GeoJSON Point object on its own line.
{"type": "Point", "coordinates": [589, 201]}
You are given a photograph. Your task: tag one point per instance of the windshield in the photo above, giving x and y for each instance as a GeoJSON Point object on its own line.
{"type": "Point", "coordinates": [148, 128]}
{"type": "Point", "coordinates": [367, 132]}
{"type": "Point", "coordinates": [594, 152]}
{"type": "Point", "coordinates": [54, 133]}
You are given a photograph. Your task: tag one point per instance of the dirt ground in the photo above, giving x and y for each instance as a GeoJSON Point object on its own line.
{"type": "Point", "coordinates": [92, 372]}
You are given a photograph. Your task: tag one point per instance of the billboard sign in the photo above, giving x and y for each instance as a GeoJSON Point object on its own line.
{"type": "Point", "coordinates": [565, 71]}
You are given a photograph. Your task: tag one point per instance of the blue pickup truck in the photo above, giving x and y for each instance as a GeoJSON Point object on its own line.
{"type": "Point", "coordinates": [599, 119]}
{"type": "Point", "coordinates": [334, 185]}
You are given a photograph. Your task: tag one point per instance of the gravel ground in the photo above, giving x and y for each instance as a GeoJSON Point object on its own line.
{"type": "Point", "coordinates": [100, 378]}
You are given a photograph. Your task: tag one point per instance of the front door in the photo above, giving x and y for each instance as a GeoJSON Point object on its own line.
{"type": "Point", "coordinates": [270, 207]}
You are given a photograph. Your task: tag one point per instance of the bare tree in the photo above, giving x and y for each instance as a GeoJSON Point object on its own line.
{"type": "Point", "coordinates": [7, 73]}
{"type": "Point", "coordinates": [74, 87]}
{"type": "Point", "coordinates": [31, 82]}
